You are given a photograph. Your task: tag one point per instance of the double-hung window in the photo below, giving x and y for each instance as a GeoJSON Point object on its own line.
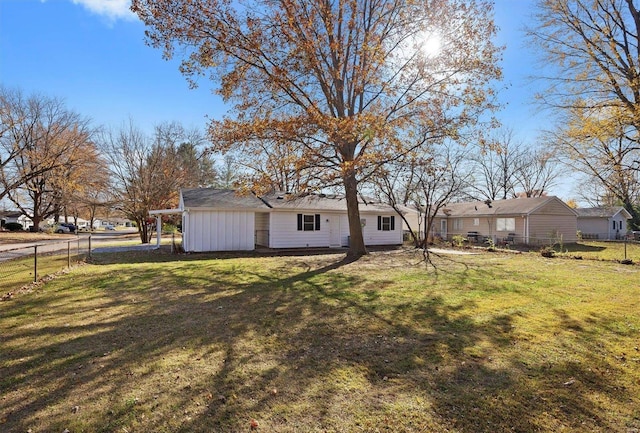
{"type": "Point", "coordinates": [386, 223]}
{"type": "Point", "coordinates": [308, 223]}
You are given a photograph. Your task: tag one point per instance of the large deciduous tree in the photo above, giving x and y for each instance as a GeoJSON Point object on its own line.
{"type": "Point", "coordinates": [42, 144]}
{"type": "Point", "coordinates": [37, 135]}
{"type": "Point", "coordinates": [340, 79]}
{"type": "Point", "coordinates": [593, 49]}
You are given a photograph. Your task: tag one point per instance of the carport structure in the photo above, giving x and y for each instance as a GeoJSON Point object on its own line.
{"type": "Point", "coordinates": [158, 215]}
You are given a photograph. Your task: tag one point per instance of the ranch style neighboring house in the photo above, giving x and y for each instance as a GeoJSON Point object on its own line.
{"type": "Point", "coordinates": [606, 222]}
{"type": "Point", "coordinates": [9, 216]}
{"type": "Point", "coordinates": [223, 220]}
{"type": "Point", "coordinates": [14, 216]}
{"type": "Point", "coordinates": [534, 220]}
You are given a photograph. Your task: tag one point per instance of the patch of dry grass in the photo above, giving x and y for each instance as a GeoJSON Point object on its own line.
{"type": "Point", "coordinates": [488, 343]}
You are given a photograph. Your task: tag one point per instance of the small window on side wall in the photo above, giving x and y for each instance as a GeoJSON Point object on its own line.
{"type": "Point", "coordinates": [308, 223]}
{"type": "Point", "coordinates": [386, 223]}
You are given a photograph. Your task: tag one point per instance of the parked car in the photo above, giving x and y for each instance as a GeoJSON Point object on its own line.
{"type": "Point", "coordinates": [59, 228]}
{"type": "Point", "coordinates": [72, 227]}
{"type": "Point", "coordinates": [109, 227]}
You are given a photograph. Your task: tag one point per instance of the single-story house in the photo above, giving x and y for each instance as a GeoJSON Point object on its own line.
{"type": "Point", "coordinates": [9, 216]}
{"type": "Point", "coordinates": [533, 220]}
{"type": "Point", "coordinates": [14, 216]}
{"type": "Point", "coordinates": [607, 222]}
{"type": "Point", "coordinates": [224, 220]}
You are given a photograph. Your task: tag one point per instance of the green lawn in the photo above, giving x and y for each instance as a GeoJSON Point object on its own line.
{"type": "Point", "coordinates": [487, 343]}
{"type": "Point", "coordinates": [602, 250]}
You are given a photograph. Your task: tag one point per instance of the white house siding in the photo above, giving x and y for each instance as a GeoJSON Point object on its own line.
{"type": "Point", "coordinates": [262, 229]}
{"type": "Point", "coordinates": [621, 226]}
{"type": "Point", "coordinates": [219, 231]}
{"type": "Point", "coordinates": [284, 233]}
{"type": "Point", "coordinates": [373, 236]}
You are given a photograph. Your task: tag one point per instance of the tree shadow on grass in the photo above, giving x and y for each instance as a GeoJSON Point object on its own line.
{"type": "Point", "coordinates": [299, 348]}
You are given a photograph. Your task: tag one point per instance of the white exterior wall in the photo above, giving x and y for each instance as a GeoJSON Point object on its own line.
{"type": "Point", "coordinates": [620, 222]}
{"type": "Point", "coordinates": [218, 231]}
{"type": "Point", "coordinates": [373, 236]}
{"type": "Point", "coordinates": [284, 233]}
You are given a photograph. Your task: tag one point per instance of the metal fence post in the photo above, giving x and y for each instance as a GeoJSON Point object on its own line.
{"type": "Point", "coordinates": [35, 263]}
{"type": "Point", "coordinates": [89, 245]}
{"type": "Point", "coordinates": [68, 254]}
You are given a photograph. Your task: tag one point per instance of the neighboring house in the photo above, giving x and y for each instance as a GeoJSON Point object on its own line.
{"type": "Point", "coordinates": [536, 220]}
{"type": "Point", "coordinates": [14, 216]}
{"type": "Point", "coordinates": [606, 223]}
{"type": "Point", "coordinates": [223, 220]}
{"type": "Point", "coordinates": [9, 216]}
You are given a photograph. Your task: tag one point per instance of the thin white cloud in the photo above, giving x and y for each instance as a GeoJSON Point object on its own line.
{"type": "Point", "coordinates": [111, 9]}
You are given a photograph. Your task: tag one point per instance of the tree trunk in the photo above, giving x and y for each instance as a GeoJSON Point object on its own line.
{"type": "Point", "coordinates": [142, 230]}
{"type": "Point", "coordinates": [356, 244]}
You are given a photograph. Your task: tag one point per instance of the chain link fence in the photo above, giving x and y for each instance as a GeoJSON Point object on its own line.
{"type": "Point", "coordinates": [25, 265]}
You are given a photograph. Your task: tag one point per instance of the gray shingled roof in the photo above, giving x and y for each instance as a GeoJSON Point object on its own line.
{"type": "Point", "coordinates": [599, 212]}
{"type": "Point", "coordinates": [220, 199]}
{"type": "Point", "coordinates": [321, 202]}
{"type": "Point", "coordinates": [229, 199]}
{"type": "Point", "coordinates": [10, 213]}
{"type": "Point", "coordinates": [516, 206]}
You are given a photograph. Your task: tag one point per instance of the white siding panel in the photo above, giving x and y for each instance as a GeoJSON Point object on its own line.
{"type": "Point", "coordinates": [284, 233]}
{"type": "Point", "coordinates": [373, 236]}
{"type": "Point", "coordinates": [219, 231]}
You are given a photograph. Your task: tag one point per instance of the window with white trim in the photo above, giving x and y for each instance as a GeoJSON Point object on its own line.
{"type": "Point", "coordinates": [476, 222]}
{"type": "Point", "coordinates": [505, 224]}
{"type": "Point", "coordinates": [458, 223]}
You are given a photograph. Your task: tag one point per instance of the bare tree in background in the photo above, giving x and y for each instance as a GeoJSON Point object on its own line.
{"type": "Point", "coordinates": [495, 164]}
{"type": "Point", "coordinates": [505, 168]}
{"type": "Point", "coordinates": [146, 172]}
{"type": "Point", "coordinates": [593, 68]}
{"type": "Point", "coordinates": [423, 184]}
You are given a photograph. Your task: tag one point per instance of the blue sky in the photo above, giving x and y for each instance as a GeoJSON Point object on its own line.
{"type": "Point", "coordinates": [92, 54]}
